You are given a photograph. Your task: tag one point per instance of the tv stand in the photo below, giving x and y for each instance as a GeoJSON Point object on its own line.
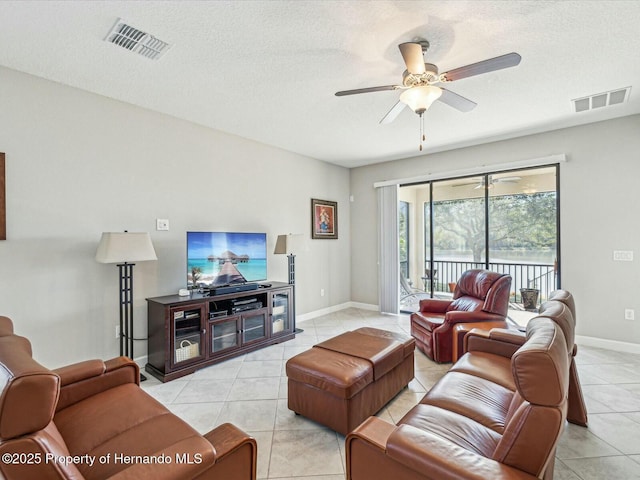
{"type": "Point", "coordinates": [190, 333]}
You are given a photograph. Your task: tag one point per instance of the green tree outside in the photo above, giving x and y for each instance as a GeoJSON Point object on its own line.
{"type": "Point", "coordinates": [516, 222]}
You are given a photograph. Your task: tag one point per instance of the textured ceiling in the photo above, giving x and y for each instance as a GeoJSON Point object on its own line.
{"type": "Point", "coordinates": [268, 70]}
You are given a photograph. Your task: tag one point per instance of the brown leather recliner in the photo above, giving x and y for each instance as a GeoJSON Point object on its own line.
{"type": "Point", "coordinates": [91, 420]}
{"type": "Point", "coordinates": [498, 413]}
{"type": "Point", "coordinates": [480, 295]}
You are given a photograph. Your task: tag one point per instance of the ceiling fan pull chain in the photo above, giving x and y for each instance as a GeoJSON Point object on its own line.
{"type": "Point", "coordinates": [422, 137]}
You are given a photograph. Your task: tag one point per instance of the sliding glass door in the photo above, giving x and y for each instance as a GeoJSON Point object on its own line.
{"type": "Point", "coordinates": [459, 231]}
{"type": "Point", "coordinates": [502, 221]}
{"type": "Point", "coordinates": [523, 229]}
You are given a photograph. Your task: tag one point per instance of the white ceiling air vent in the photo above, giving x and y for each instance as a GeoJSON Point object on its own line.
{"type": "Point", "coordinates": [605, 99]}
{"type": "Point", "coordinates": [136, 40]}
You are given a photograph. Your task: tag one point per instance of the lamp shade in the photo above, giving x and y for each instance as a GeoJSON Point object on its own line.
{"type": "Point", "coordinates": [120, 247]}
{"type": "Point", "coordinates": [288, 244]}
{"type": "Point", "coordinates": [420, 99]}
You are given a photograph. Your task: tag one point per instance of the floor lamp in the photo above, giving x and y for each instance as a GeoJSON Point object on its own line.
{"type": "Point", "coordinates": [286, 245]}
{"type": "Point", "coordinates": [123, 248]}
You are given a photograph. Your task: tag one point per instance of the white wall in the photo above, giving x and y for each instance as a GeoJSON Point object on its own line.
{"type": "Point", "coordinates": [78, 164]}
{"type": "Point", "coordinates": [599, 197]}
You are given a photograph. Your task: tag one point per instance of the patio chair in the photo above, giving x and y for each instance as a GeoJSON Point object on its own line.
{"type": "Point", "coordinates": [407, 291]}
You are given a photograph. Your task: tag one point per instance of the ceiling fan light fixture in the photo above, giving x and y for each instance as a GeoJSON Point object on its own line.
{"type": "Point", "coordinates": [419, 99]}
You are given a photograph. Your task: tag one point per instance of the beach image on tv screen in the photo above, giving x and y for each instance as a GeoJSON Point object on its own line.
{"type": "Point", "coordinates": [223, 258]}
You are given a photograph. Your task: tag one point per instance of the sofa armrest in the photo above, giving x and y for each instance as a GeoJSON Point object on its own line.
{"type": "Point", "coordinates": [225, 452]}
{"type": "Point", "coordinates": [84, 379]}
{"type": "Point", "coordinates": [188, 458]}
{"type": "Point", "coordinates": [434, 305]}
{"type": "Point", "coordinates": [80, 371]}
{"type": "Point", "coordinates": [236, 454]}
{"type": "Point", "coordinates": [374, 430]}
{"type": "Point", "coordinates": [464, 316]}
{"type": "Point", "coordinates": [226, 438]}
{"type": "Point", "coordinates": [499, 341]}
{"type": "Point", "coordinates": [424, 452]}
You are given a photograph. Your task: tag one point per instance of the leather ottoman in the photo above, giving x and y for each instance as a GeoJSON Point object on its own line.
{"type": "Point", "coordinates": [344, 380]}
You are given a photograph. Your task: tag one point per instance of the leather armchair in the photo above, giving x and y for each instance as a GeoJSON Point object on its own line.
{"type": "Point", "coordinates": [91, 420]}
{"type": "Point", "coordinates": [480, 295]}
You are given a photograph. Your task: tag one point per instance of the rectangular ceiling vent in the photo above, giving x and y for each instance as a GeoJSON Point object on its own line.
{"type": "Point", "coordinates": [599, 100]}
{"type": "Point", "coordinates": [137, 41]}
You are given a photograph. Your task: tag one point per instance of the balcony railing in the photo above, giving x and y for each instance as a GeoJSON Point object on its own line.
{"type": "Point", "coordinates": [540, 276]}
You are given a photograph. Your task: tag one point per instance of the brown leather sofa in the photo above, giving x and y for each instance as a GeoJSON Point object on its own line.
{"type": "Point", "coordinates": [497, 414]}
{"type": "Point", "coordinates": [479, 296]}
{"type": "Point", "coordinates": [558, 300]}
{"type": "Point", "coordinates": [92, 421]}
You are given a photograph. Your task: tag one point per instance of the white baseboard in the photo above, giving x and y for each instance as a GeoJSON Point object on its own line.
{"type": "Point", "coordinates": [608, 344]}
{"type": "Point", "coordinates": [335, 308]}
{"type": "Point", "coordinates": [364, 306]}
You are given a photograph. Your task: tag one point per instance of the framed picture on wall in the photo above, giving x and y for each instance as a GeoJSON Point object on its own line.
{"type": "Point", "coordinates": [324, 219]}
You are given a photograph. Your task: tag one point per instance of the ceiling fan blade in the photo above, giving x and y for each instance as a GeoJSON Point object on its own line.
{"type": "Point", "coordinates": [393, 113]}
{"type": "Point", "coordinates": [472, 181]}
{"type": "Point", "coordinates": [367, 90]}
{"type": "Point", "coordinates": [490, 65]}
{"type": "Point", "coordinates": [464, 184]}
{"type": "Point", "coordinates": [456, 101]}
{"type": "Point", "coordinates": [507, 180]}
{"type": "Point", "coordinates": [412, 56]}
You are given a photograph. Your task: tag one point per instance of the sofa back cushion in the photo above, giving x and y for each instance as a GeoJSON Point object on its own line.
{"type": "Point", "coordinates": [538, 410]}
{"type": "Point", "coordinates": [466, 304]}
{"type": "Point", "coordinates": [491, 288]}
{"type": "Point", "coordinates": [541, 366]}
{"type": "Point", "coordinates": [6, 326]}
{"type": "Point", "coordinates": [28, 391]}
{"type": "Point", "coordinates": [561, 314]}
{"type": "Point", "coordinates": [566, 298]}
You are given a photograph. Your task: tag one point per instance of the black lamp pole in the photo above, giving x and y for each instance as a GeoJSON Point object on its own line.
{"type": "Point", "coordinates": [126, 308]}
{"type": "Point", "coordinates": [292, 281]}
{"type": "Point", "coordinates": [126, 311]}
{"type": "Point", "coordinates": [292, 268]}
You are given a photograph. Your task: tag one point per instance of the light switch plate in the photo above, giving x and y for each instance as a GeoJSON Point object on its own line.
{"type": "Point", "coordinates": [162, 224]}
{"type": "Point", "coordinates": [623, 255]}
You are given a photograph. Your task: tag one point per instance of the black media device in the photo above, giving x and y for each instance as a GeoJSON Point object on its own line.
{"type": "Point", "coordinates": [235, 288]}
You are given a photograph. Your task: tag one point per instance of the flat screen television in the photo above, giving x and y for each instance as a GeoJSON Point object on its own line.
{"type": "Point", "coordinates": [225, 258]}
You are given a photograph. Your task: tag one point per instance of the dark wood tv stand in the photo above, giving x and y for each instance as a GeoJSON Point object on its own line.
{"type": "Point", "coordinates": [192, 332]}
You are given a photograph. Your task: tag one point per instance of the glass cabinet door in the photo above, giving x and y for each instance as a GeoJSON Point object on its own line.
{"type": "Point", "coordinates": [224, 335]}
{"type": "Point", "coordinates": [280, 312]}
{"type": "Point", "coordinates": [188, 335]}
{"type": "Point", "coordinates": [254, 326]}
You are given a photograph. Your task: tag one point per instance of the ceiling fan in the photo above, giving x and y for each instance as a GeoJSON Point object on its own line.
{"type": "Point", "coordinates": [480, 183]}
{"type": "Point", "coordinates": [420, 78]}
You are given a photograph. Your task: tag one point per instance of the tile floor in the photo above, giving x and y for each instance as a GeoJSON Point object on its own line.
{"type": "Point", "coordinates": [251, 392]}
